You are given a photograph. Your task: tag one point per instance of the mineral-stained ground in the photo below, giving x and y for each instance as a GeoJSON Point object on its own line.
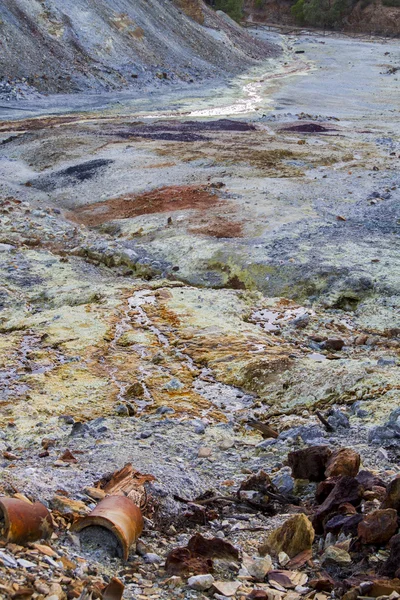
{"type": "Point", "coordinates": [199, 283]}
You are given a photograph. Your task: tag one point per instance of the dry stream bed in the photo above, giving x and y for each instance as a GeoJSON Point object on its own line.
{"type": "Point", "coordinates": [180, 276]}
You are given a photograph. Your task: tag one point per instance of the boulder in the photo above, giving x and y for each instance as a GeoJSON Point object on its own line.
{"type": "Point", "coordinates": [378, 527]}
{"type": "Point", "coordinates": [346, 490]}
{"type": "Point", "coordinates": [309, 463]}
{"type": "Point", "coordinates": [344, 461]}
{"type": "Point", "coordinates": [294, 536]}
{"type": "Point", "coordinates": [392, 498]}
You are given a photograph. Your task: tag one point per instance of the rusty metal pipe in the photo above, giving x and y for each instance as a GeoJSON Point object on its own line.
{"type": "Point", "coordinates": [25, 522]}
{"type": "Point", "coordinates": [119, 515]}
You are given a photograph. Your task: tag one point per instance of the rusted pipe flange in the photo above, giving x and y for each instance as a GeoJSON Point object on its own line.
{"type": "Point", "coordinates": [25, 522]}
{"type": "Point", "coordinates": [119, 515]}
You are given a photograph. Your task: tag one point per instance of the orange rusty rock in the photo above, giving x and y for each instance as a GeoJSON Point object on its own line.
{"type": "Point", "coordinates": [344, 461]}
{"type": "Point", "coordinates": [119, 515]}
{"type": "Point", "coordinates": [25, 522]}
{"type": "Point", "coordinates": [378, 527]}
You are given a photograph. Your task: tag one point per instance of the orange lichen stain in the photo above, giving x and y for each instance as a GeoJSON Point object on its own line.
{"type": "Point", "coordinates": [161, 200]}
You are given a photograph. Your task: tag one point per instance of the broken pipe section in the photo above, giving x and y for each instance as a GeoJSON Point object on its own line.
{"type": "Point", "coordinates": [25, 522]}
{"type": "Point", "coordinates": [119, 515]}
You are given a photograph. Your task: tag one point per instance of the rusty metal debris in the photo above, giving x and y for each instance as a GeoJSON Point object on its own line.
{"type": "Point", "coordinates": [114, 590]}
{"type": "Point", "coordinates": [127, 482]}
{"type": "Point", "coordinates": [25, 522]}
{"type": "Point", "coordinates": [119, 515]}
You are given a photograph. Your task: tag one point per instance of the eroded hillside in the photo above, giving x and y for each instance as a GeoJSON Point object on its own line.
{"type": "Point", "coordinates": [68, 46]}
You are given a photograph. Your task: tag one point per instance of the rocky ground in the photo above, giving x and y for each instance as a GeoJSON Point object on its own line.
{"type": "Point", "coordinates": [201, 286]}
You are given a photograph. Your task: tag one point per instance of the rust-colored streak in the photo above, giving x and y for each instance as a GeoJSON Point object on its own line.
{"type": "Point", "coordinates": [218, 227]}
{"type": "Point", "coordinates": [166, 199]}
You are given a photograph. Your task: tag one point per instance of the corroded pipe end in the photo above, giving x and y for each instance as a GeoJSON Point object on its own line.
{"type": "Point", "coordinates": [25, 522]}
{"type": "Point", "coordinates": [119, 515]}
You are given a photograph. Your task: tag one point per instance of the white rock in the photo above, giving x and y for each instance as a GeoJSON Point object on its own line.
{"type": "Point", "coordinates": [7, 560]}
{"type": "Point", "coordinates": [283, 558]}
{"type": "Point", "coordinates": [201, 582]}
{"type": "Point", "coordinates": [27, 564]}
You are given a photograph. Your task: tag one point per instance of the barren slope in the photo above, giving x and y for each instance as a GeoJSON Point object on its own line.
{"type": "Point", "coordinates": [64, 45]}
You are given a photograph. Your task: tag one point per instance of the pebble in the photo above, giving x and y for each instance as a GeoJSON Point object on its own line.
{"type": "Point", "coordinates": [152, 558]}
{"type": "Point", "coordinates": [204, 452]}
{"type": "Point", "coordinates": [8, 561]}
{"type": "Point", "coordinates": [201, 582]}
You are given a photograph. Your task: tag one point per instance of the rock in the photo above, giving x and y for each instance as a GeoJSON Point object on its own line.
{"type": "Point", "coordinates": [201, 582]}
{"type": "Point", "coordinates": [283, 481]}
{"type": "Point", "coordinates": [309, 463]}
{"type": "Point", "coordinates": [324, 489]}
{"type": "Point", "coordinates": [332, 344]}
{"type": "Point", "coordinates": [347, 489]}
{"type": "Point", "coordinates": [204, 452]}
{"type": "Point", "coordinates": [346, 524]}
{"type": "Point", "coordinates": [227, 588]}
{"type": "Point", "coordinates": [337, 419]}
{"type": "Point", "coordinates": [392, 498]}
{"type": "Point", "coordinates": [382, 454]}
{"type": "Point", "coordinates": [283, 558]}
{"type": "Point", "coordinates": [257, 567]}
{"type": "Point", "coordinates": [391, 568]}
{"type": "Point", "coordinates": [368, 480]}
{"type": "Point", "coordinates": [377, 493]}
{"type": "Point", "coordinates": [344, 461]}
{"type": "Point", "coordinates": [300, 322]}
{"type": "Point", "coordinates": [152, 558]}
{"type": "Point", "coordinates": [294, 536]}
{"type": "Point", "coordinates": [56, 591]}
{"type": "Point", "coordinates": [378, 527]}
{"type": "Point", "coordinates": [336, 555]}
{"type": "Point", "coordinates": [387, 361]}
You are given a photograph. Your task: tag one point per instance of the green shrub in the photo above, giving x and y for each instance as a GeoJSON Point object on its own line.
{"type": "Point", "coordinates": [233, 8]}
{"type": "Point", "coordinates": [298, 12]}
{"type": "Point", "coordinates": [391, 2]}
{"type": "Point", "coordinates": [322, 13]}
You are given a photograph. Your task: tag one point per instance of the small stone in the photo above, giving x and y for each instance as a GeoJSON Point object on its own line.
{"type": "Point", "coordinates": [201, 582]}
{"type": "Point", "coordinates": [336, 555]}
{"type": "Point", "coordinates": [382, 454]}
{"type": "Point", "coordinates": [294, 536]}
{"type": "Point", "coordinates": [152, 558]}
{"type": "Point", "coordinates": [204, 452]}
{"type": "Point", "coordinates": [122, 410]}
{"type": "Point", "coordinates": [392, 498]}
{"type": "Point", "coordinates": [283, 558]}
{"type": "Point", "coordinates": [26, 564]}
{"type": "Point", "coordinates": [257, 567]}
{"type": "Point", "coordinates": [227, 588]}
{"type": "Point", "coordinates": [332, 344]}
